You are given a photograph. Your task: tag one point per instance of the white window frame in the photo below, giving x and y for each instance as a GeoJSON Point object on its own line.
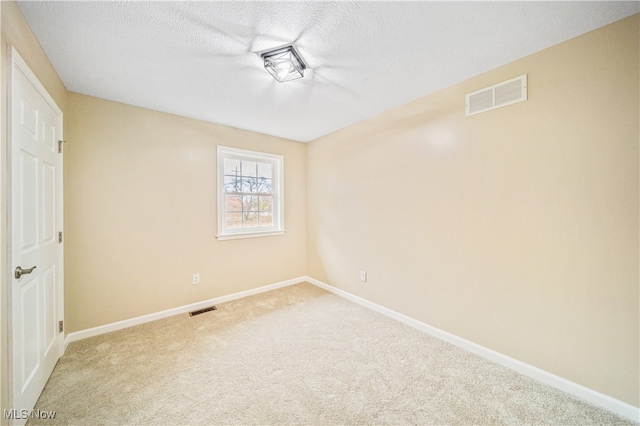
{"type": "Point", "coordinates": [277, 162]}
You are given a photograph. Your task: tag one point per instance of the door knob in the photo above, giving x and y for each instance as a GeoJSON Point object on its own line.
{"type": "Point", "coordinates": [20, 272]}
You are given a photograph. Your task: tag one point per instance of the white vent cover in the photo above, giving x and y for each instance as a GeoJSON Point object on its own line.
{"type": "Point", "coordinates": [499, 95]}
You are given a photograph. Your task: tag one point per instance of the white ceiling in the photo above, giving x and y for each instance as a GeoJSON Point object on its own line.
{"type": "Point", "coordinates": [197, 59]}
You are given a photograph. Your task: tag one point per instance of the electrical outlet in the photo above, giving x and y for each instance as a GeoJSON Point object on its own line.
{"type": "Point", "coordinates": [363, 276]}
{"type": "Point", "coordinates": [196, 279]}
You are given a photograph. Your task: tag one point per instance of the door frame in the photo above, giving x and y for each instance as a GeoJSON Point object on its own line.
{"type": "Point", "coordinates": [17, 64]}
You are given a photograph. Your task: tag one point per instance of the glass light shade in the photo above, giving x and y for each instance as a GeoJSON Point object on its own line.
{"type": "Point", "coordinates": [284, 64]}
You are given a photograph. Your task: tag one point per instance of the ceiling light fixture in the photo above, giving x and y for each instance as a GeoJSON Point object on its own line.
{"type": "Point", "coordinates": [284, 63]}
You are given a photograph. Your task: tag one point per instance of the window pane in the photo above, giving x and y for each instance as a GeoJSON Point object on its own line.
{"type": "Point", "coordinates": [233, 220]}
{"type": "Point", "coordinates": [250, 203]}
{"type": "Point", "coordinates": [232, 184]}
{"type": "Point", "coordinates": [250, 220]}
{"type": "Point", "coordinates": [249, 198]}
{"type": "Point", "coordinates": [264, 185]}
{"type": "Point", "coordinates": [266, 219]}
{"type": "Point", "coordinates": [264, 170]}
{"type": "Point", "coordinates": [249, 168]}
{"type": "Point", "coordinates": [266, 203]}
{"type": "Point", "coordinates": [233, 203]}
{"type": "Point", "coordinates": [249, 184]}
{"type": "Point", "coordinates": [231, 167]}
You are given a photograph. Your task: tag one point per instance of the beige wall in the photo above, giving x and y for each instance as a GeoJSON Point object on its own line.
{"type": "Point", "coordinates": [15, 32]}
{"type": "Point", "coordinates": [517, 228]}
{"type": "Point", "coordinates": [140, 202]}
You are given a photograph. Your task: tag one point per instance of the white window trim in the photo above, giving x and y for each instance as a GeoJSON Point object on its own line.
{"type": "Point", "coordinates": [278, 194]}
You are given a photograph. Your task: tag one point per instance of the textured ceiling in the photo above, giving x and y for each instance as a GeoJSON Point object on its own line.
{"type": "Point", "coordinates": [197, 59]}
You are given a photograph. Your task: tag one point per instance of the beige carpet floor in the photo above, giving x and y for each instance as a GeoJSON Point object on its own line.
{"type": "Point", "coordinates": [297, 355]}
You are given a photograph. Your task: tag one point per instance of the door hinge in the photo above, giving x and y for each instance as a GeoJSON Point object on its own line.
{"type": "Point", "coordinates": [60, 146]}
{"type": "Point", "coordinates": [60, 237]}
{"type": "Point", "coordinates": [60, 326]}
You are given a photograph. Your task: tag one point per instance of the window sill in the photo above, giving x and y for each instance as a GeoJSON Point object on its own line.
{"type": "Point", "coordinates": [221, 237]}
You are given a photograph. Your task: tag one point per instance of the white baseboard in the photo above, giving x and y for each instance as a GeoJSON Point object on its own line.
{"type": "Point", "coordinates": [102, 329]}
{"type": "Point", "coordinates": [598, 399]}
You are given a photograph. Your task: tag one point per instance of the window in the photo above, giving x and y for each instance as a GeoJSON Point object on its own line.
{"type": "Point", "coordinates": [250, 194]}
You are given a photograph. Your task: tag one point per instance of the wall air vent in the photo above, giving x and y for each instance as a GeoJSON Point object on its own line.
{"type": "Point", "coordinates": [499, 95]}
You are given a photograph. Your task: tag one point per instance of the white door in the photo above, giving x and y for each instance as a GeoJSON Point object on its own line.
{"type": "Point", "coordinates": [35, 218]}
